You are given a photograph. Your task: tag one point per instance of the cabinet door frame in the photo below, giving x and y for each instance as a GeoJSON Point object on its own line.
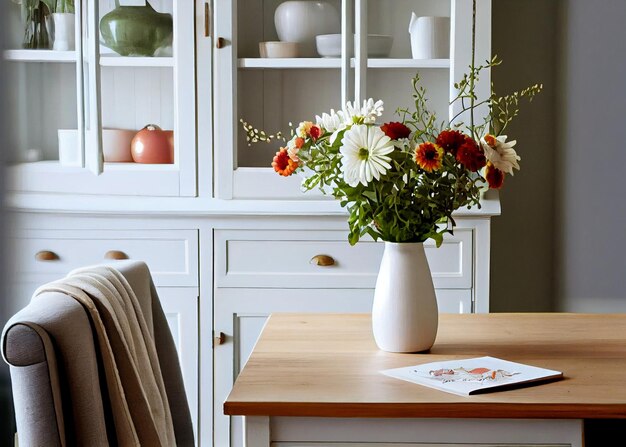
{"type": "Point", "coordinates": [123, 179]}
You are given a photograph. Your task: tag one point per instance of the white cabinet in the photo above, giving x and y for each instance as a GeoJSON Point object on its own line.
{"type": "Point", "coordinates": [271, 92]}
{"type": "Point", "coordinates": [66, 107]}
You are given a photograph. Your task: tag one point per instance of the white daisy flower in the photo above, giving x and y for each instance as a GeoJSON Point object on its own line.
{"type": "Point", "coordinates": [500, 153]}
{"type": "Point", "coordinates": [331, 122]}
{"type": "Point", "coordinates": [367, 114]}
{"type": "Point", "coordinates": [364, 152]}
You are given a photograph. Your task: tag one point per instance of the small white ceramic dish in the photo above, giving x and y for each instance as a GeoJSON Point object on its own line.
{"type": "Point", "coordinates": [329, 45]}
{"type": "Point", "coordinates": [379, 45]}
{"type": "Point", "coordinates": [276, 49]}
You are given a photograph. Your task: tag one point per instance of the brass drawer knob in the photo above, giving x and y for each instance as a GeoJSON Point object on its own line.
{"type": "Point", "coordinates": [46, 255]}
{"type": "Point", "coordinates": [322, 260]}
{"type": "Point", "coordinates": [220, 339]}
{"type": "Point", "coordinates": [220, 43]}
{"type": "Point", "coordinates": [115, 254]}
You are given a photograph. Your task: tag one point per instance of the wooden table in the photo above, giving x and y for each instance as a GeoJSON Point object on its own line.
{"type": "Point", "coordinates": [315, 378]}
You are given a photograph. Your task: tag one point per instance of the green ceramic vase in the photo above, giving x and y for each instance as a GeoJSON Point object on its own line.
{"type": "Point", "coordinates": [136, 30]}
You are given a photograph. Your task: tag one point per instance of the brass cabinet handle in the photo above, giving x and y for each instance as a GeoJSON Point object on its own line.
{"type": "Point", "coordinates": [220, 339]}
{"type": "Point", "coordinates": [220, 43]}
{"type": "Point", "coordinates": [115, 254]}
{"type": "Point", "coordinates": [46, 255]}
{"type": "Point", "coordinates": [322, 260]}
{"type": "Point", "coordinates": [207, 19]}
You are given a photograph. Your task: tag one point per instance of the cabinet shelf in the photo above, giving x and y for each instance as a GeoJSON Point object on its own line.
{"type": "Point", "coordinates": [408, 63]}
{"type": "Point", "coordinates": [50, 166]}
{"type": "Point", "coordinates": [40, 56]}
{"type": "Point", "coordinates": [300, 62]}
{"type": "Point", "coordinates": [113, 60]}
{"type": "Point", "coordinates": [323, 62]}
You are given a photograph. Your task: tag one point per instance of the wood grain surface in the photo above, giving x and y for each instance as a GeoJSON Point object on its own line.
{"type": "Point", "coordinates": [328, 365]}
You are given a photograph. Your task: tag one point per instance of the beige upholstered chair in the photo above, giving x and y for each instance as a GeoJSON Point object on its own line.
{"type": "Point", "coordinates": [57, 374]}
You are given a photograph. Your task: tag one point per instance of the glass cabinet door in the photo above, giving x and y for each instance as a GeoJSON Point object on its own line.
{"type": "Point", "coordinates": [270, 73]}
{"type": "Point", "coordinates": [268, 92]}
{"type": "Point", "coordinates": [134, 97]}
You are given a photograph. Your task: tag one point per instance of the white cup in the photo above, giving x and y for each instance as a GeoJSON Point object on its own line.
{"type": "Point", "coordinates": [430, 37]}
{"type": "Point", "coordinates": [68, 147]}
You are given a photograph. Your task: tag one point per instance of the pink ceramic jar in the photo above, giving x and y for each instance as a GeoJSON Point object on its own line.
{"type": "Point", "coordinates": [153, 145]}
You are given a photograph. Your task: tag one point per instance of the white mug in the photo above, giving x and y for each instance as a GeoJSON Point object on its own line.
{"type": "Point", "coordinates": [430, 37]}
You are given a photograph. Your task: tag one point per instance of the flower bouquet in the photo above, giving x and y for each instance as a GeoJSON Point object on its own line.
{"type": "Point", "coordinates": [402, 180]}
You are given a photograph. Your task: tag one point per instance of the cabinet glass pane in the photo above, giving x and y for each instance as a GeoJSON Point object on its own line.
{"type": "Point", "coordinates": [41, 101]}
{"type": "Point", "coordinates": [42, 98]}
{"type": "Point", "coordinates": [389, 76]}
{"type": "Point", "coordinates": [270, 99]}
{"type": "Point", "coordinates": [273, 91]}
{"type": "Point", "coordinates": [392, 18]}
{"type": "Point", "coordinates": [274, 20]}
{"type": "Point", "coordinates": [400, 96]}
{"type": "Point", "coordinates": [136, 76]}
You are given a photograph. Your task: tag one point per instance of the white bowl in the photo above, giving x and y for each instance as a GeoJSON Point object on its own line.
{"type": "Point", "coordinates": [278, 49]}
{"type": "Point", "coordinates": [379, 45]}
{"type": "Point", "coordinates": [329, 45]}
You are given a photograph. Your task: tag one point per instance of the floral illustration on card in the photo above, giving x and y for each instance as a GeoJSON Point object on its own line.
{"type": "Point", "coordinates": [461, 374]}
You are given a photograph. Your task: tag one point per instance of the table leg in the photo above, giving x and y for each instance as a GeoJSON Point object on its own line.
{"type": "Point", "coordinates": [256, 431]}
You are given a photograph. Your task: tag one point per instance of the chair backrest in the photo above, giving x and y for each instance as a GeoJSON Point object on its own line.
{"type": "Point", "coordinates": [59, 387]}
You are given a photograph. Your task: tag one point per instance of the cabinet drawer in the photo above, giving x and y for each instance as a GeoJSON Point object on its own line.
{"type": "Point", "coordinates": [171, 255]}
{"type": "Point", "coordinates": [271, 258]}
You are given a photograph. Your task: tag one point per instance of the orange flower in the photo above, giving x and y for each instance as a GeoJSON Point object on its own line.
{"type": "Point", "coordinates": [299, 142]}
{"type": "Point", "coordinates": [494, 176]}
{"type": "Point", "coordinates": [491, 140]}
{"type": "Point", "coordinates": [283, 164]}
{"type": "Point", "coordinates": [429, 156]}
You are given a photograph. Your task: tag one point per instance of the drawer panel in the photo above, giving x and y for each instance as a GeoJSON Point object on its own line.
{"type": "Point", "coordinates": [245, 258]}
{"type": "Point", "coordinates": [171, 255]}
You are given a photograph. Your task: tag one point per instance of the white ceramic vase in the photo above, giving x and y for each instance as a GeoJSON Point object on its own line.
{"type": "Point", "coordinates": [63, 25]}
{"type": "Point", "coordinates": [301, 20]}
{"type": "Point", "coordinates": [405, 316]}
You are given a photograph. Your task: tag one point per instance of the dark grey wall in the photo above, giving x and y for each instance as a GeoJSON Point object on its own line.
{"type": "Point", "coordinates": [591, 210]}
{"type": "Point", "coordinates": [558, 244]}
{"type": "Point", "coordinates": [522, 246]}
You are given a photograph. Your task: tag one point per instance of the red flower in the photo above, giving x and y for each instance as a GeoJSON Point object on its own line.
{"type": "Point", "coordinates": [429, 156]}
{"type": "Point", "coordinates": [470, 155]}
{"type": "Point", "coordinates": [283, 164]}
{"type": "Point", "coordinates": [315, 132]}
{"type": "Point", "coordinates": [395, 130]}
{"type": "Point", "coordinates": [451, 140]}
{"type": "Point", "coordinates": [495, 177]}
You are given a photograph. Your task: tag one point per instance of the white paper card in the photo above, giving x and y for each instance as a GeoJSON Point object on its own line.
{"type": "Point", "coordinates": [472, 376]}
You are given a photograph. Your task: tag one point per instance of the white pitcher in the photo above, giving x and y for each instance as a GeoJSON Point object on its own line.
{"type": "Point", "coordinates": [430, 37]}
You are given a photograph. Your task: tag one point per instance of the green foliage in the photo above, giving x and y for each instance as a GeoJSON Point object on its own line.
{"type": "Point", "coordinates": [254, 135]}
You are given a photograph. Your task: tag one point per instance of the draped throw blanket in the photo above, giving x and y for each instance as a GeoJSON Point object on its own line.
{"type": "Point", "coordinates": [136, 391]}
